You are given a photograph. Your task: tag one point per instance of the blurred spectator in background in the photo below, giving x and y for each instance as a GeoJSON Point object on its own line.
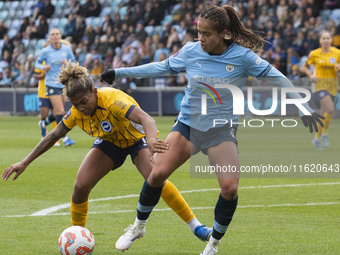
{"type": "Point", "coordinates": [93, 9]}
{"type": "Point", "coordinates": [140, 32]}
{"type": "Point", "coordinates": [70, 26]}
{"type": "Point", "coordinates": [3, 29]}
{"type": "Point", "coordinates": [97, 69]}
{"type": "Point", "coordinates": [80, 30]}
{"type": "Point", "coordinates": [7, 77]}
{"type": "Point", "coordinates": [23, 26]}
{"type": "Point", "coordinates": [108, 22]}
{"type": "Point", "coordinates": [82, 56]}
{"type": "Point", "coordinates": [37, 8]}
{"type": "Point", "coordinates": [125, 84]}
{"type": "Point", "coordinates": [161, 49]}
{"type": "Point", "coordinates": [285, 23]}
{"type": "Point", "coordinates": [40, 31]}
{"type": "Point", "coordinates": [7, 46]}
{"type": "Point", "coordinates": [47, 10]}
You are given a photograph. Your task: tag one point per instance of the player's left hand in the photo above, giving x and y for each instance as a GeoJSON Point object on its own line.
{"type": "Point", "coordinates": [157, 146]}
{"type": "Point", "coordinates": [312, 120]}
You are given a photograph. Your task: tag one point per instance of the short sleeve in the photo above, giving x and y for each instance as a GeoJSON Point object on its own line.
{"type": "Point", "coordinates": [311, 59]}
{"type": "Point", "coordinates": [69, 120]}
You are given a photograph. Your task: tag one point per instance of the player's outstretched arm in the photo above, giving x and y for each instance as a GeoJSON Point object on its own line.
{"type": "Point", "coordinates": [45, 144]}
{"type": "Point", "coordinates": [153, 69]}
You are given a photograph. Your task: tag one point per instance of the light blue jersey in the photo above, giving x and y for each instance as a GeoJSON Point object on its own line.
{"type": "Point", "coordinates": [207, 74]}
{"type": "Point", "coordinates": [54, 58]}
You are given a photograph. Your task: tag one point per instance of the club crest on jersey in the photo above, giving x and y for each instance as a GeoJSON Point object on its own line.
{"type": "Point", "coordinates": [106, 126]}
{"type": "Point", "coordinates": [229, 68]}
{"type": "Point", "coordinates": [332, 60]}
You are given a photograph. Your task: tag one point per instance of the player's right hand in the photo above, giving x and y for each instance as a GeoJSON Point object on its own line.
{"type": "Point", "coordinates": [108, 76]}
{"type": "Point", "coordinates": [18, 168]}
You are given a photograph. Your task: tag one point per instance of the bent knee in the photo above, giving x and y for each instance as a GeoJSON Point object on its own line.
{"type": "Point", "coordinates": [80, 192]}
{"type": "Point", "coordinates": [229, 191]}
{"type": "Point", "coordinates": [157, 179]}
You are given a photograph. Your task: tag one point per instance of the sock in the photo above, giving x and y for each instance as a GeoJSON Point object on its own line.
{"type": "Point", "coordinates": [224, 211]}
{"type": "Point", "coordinates": [193, 224]}
{"type": "Point", "coordinates": [49, 119]}
{"type": "Point", "coordinates": [139, 222]}
{"type": "Point", "coordinates": [79, 213]}
{"type": "Point", "coordinates": [319, 133]}
{"type": "Point", "coordinates": [176, 202]}
{"type": "Point", "coordinates": [148, 199]}
{"type": "Point", "coordinates": [326, 122]}
{"type": "Point", "coordinates": [59, 118]}
{"type": "Point", "coordinates": [54, 125]}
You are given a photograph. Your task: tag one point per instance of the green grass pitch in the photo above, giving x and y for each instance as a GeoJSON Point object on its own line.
{"type": "Point", "coordinates": [275, 215]}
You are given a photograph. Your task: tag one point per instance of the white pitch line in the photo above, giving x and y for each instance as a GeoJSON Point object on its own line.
{"type": "Point", "coordinates": [193, 208]}
{"type": "Point", "coordinates": [51, 210]}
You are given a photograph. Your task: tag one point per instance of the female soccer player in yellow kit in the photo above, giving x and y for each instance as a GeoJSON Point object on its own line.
{"type": "Point", "coordinates": [326, 61]}
{"type": "Point", "coordinates": [122, 128]}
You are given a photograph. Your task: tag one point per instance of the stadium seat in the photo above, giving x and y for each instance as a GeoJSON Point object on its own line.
{"type": "Point", "coordinates": [14, 5]}
{"type": "Point", "coordinates": [96, 21]}
{"type": "Point", "coordinates": [3, 15]}
{"type": "Point", "coordinates": [60, 4]}
{"type": "Point", "coordinates": [123, 11]}
{"type": "Point", "coordinates": [157, 30]}
{"type": "Point", "coordinates": [167, 19]}
{"type": "Point", "coordinates": [106, 10]}
{"type": "Point", "coordinates": [1, 44]}
{"type": "Point", "coordinates": [12, 32]}
{"type": "Point", "coordinates": [88, 21]}
{"type": "Point", "coordinates": [27, 13]}
{"type": "Point", "coordinates": [16, 24]}
{"type": "Point", "coordinates": [335, 15]}
{"type": "Point", "coordinates": [116, 3]}
{"type": "Point", "coordinates": [11, 14]}
{"type": "Point", "coordinates": [58, 13]}
{"type": "Point", "coordinates": [40, 43]}
{"type": "Point", "coordinates": [37, 52]}
{"type": "Point", "coordinates": [63, 22]}
{"type": "Point", "coordinates": [149, 30]}
{"type": "Point", "coordinates": [54, 23]}
{"type": "Point", "coordinates": [29, 5]}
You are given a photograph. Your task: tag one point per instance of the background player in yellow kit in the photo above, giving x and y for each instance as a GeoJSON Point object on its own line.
{"type": "Point", "coordinates": [326, 62]}
{"type": "Point", "coordinates": [122, 128]}
{"type": "Point", "coordinates": [44, 102]}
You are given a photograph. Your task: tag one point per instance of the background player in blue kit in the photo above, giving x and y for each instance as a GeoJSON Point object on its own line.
{"type": "Point", "coordinates": [223, 53]}
{"type": "Point", "coordinates": [55, 55]}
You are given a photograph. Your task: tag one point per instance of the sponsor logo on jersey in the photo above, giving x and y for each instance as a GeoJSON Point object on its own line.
{"type": "Point", "coordinates": [98, 141]}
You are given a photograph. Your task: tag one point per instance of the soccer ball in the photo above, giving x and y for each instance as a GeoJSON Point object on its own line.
{"type": "Point", "coordinates": [76, 240]}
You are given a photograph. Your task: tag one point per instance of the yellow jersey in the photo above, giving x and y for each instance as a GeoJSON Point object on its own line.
{"type": "Point", "coordinates": [41, 84]}
{"type": "Point", "coordinates": [110, 121]}
{"type": "Point", "coordinates": [325, 70]}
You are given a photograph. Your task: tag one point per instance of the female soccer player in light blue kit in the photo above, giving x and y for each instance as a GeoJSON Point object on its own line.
{"type": "Point", "coordinates": [55, 55]}
{"type": "Point", "coordinates": [222, 55]}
